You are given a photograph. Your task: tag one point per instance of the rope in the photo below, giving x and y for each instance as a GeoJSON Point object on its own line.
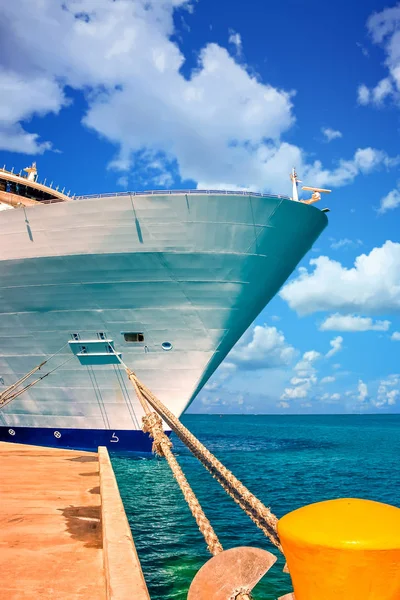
{"type": "Point", "coordinates": [17, 383]}
{"type": "Point", "coordinates": [7, 391]}
{"type": "Point", "coordinates": [256, 510]}
{"type": "Point", "coordinates": [10, 397]}
{"type": "Point", "coordinates": [163, 447]}
{"type": "Point", "coordinates": [250, 504]}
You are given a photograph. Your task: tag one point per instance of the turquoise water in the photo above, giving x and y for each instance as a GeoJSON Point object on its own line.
{"type": "Point", "coordinates": [287, 461]}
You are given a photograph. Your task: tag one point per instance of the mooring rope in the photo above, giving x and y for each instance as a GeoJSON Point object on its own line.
{"type": "Point", "coordinates": [11, 393]}
{"type": "Point", "coordinates": [250, 504]}
{"type": "Point", "coordinates": [162, 446]}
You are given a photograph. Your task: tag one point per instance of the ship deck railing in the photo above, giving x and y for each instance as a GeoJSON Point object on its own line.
{"type": "Point", "coordinates": [174, 192]}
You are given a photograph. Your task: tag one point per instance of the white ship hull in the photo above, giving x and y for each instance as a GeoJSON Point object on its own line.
{"type": "Point", "coordinates": [190, 270]}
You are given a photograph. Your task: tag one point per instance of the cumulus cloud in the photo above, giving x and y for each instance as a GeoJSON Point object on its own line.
{"type": "Point", "coordinates": [284, 404]}
{"type": "Point", "coordinates": [122, 56]}
{"type": "Point", "coordinates": [362, 391]}
{"type": "Point", "coordinates": [300, 391]}
{"type": "Point", "coordinates": [371, 286]}
{"type": "Point", "coordinates": [390, 201]}
{"type": "Point", "coordinates": [262, 347]}
{"type": "Point", "coordinates": [375, 95]}
{"type": "Point", "coordinates": [385, 397]}
{"type": "Point", "coordinates": [307, 361]}
{"type": "Point", "coordinates": [331, 134]}
{"type": "Point", "coordinates": [384, 29]}
{"type": "Point", "coordinates": [305, 377]}
{"type": "Point", "coordinates": [23, 97]}
{"type": "Point", "coordinates": [395, 337]}
{"type": "Point", "coordinates": [336, 346]}
{"type": "Point", "coordinates": [364, 161]}
{"type": "Point", "coordinates": [339, 322]}
{"type": "Point", "coordinates": [363, 95]}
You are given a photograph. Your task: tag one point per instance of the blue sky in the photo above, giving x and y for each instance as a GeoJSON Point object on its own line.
{"type": "Point", "coordinates": [135, 95]}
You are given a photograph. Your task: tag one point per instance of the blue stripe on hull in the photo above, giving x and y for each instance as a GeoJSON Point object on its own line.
{"type": "Point", "coordinates": [80, 439]}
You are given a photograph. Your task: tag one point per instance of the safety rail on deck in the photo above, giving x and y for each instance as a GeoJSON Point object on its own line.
{"type": "Point", "coordinates": [172, 192]}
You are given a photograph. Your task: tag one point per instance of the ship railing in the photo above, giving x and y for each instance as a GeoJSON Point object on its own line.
{"type": "Point", "coordinates": [174, 192]}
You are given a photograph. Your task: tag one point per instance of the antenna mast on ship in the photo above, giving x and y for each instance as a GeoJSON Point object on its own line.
{"type": "Point", "coordinates": [295, 181]}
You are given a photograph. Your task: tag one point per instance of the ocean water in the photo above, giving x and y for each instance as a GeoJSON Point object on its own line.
{"type": "Point", "coordinates": [287, 461]}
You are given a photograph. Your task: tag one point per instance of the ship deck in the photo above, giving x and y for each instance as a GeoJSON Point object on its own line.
{"type": "Point", "coordinates": [63, 529]}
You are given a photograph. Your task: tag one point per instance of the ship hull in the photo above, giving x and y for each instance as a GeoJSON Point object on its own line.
{"type": "Point", "coordinates": [116, 440]}
{"type": "Point", "coordinates": [188, 272]}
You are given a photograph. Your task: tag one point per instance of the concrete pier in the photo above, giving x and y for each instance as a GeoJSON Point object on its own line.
{"type": "Point", "coordinates": [63, 529]}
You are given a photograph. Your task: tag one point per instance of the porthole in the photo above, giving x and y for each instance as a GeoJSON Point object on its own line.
{"type": "Point", "coordinates": [166, 346]}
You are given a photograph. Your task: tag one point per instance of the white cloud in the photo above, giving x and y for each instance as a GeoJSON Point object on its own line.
{"type": "Point", "coordinates": [392, 380]}
{"type": "Point", "coordinates": [384, 29]}
{"type": "Point", "coordinates": [123, 181]}
{"type": "Point", "coordinates": [385, 397]}
{"type": "Point", "coordinates": [364, 161]}
{"type": "Point", "coordinates": [331, 134]}
{"type": "Point", "coordinates": [336, 346]}
{"type": "Point", "coordinates": [372, 285]}
{"type": "Point", "coordinates": [223, 373]}
{"type": "Point", "coordinates": [307, 361]}
{"type": "Point", "coordinates": [299, 391]}
{"type": "Point", "coordinates": [390, 201]}
{"type": "Point", "coordinates": [392, 396]}
{"type": "Point", "coordinates": [339, 322]}
{"type": "Point", "coordinates": [344, 243]}
{"type": "Point", "coordinates": [376, 95]}
{"type": "Point", "coordinates": [363, 49]}
{"type": "Point", "coordinates": [395, 337]}
{"type": "Point", "coordinates": [262, 347]}
{"type": "Point", "coordinates": [329, 398]}
{"type": "Point", "coordinates": [328, 379]}
{"type": "Point", "coordinates": [122, 56]}
{"type": "Point", "coordinates": [362, 391]}
{"type": "Point", "coordinates": [236, 39]}
{"type": "Point", "coordinates": [383, 89]}
{"type": "Point", "coordinates": [305, 377]}
{"type": "Point", "coordinates": [284, 404]}
{"type": "Point", "coordinates": [363, 95]}
{"type": "Point", "coordinates": [23, 97]}
{"type": "Point", "coordinates": [305, 373]}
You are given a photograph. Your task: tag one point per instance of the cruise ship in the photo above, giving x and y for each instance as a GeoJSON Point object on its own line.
{"type": "Point", "coordinates": [167, 280]}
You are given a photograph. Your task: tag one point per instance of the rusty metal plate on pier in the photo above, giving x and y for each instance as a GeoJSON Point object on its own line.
{"type": "Point", "coordinates": [233, 572]}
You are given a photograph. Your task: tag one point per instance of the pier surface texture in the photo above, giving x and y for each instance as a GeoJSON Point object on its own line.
{"type": "Point", "coordinates": [63, 529]}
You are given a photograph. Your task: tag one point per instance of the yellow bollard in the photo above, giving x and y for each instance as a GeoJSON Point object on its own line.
{"type": "Point", "coordinates": [346, 549]}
